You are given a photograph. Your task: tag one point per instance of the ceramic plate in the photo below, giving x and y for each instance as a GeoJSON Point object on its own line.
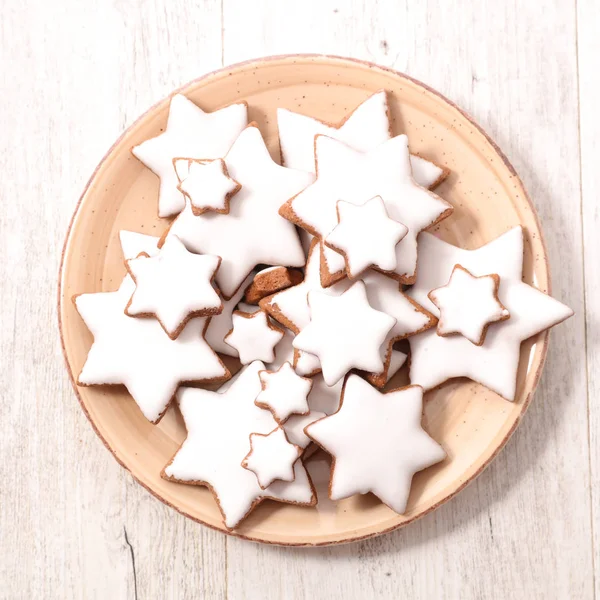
{"type": "Point", "coordinates": [470, 422]}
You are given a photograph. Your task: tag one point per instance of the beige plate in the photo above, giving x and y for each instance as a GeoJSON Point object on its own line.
{"type": "Point", "coordinates": [470, 422]}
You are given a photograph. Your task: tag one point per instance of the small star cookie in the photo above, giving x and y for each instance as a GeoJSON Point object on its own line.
{"type": "Point", "coordinates": [377, 442]}
{"type": "Point", "coordinates": [345, 332]}
{"type": "Point", "coordinates": [365, 236]}
{"type": "Point", "coordinates": [254, 336]}
{"type": "Point", "coordinates": [468, 305]}
{"type": "Point", "coordinates": [173, 286]}
{"type": "Point", "coordinates": [284, 392]}
{"type": "Point", "coordinates": [206, 184]}
{"type": "Point", "coordinates": [192, 133]}
{"type": "Point", "coordinates": [271, 457]}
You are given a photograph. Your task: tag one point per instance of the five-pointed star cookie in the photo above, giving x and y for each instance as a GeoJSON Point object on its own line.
{"type": "Point", "coordinates": [254, 336]}
{"type": "Point", "coordinates": [253, 232]}
{"type": "Point", "coordinates": [468, 305]}
{"type": "Point", "coordinates": [271, 457]}
{"type": "Point", "coordinates": [219, 425]}
{"type": "Point", "coordinates": [434, 359]}
{"type": "Point", "coordinates": [206, 184]}
{"type": "Point", "coordinates": [140, 355]}
{"type": "Point", "coordinates": [346, 174]}
{"type": "Point", "coordinates": [345, 332]}
{"type": "Point", "coordinates": [173, 286]}
{"type": "Point", "coordinates": [366, 236]}
{"type": "Point", "coordinates": [377, 442]}
{"type": "Point", "coordinates": [192, 133]}
{"type": "Point", "coordinates": [284, 392]}
{"type": "Point", "coordinates": [365, 128]}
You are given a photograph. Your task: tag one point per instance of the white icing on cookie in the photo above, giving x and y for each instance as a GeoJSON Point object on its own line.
{"type": "Point", "coordinates": [219, 426]}
{"type": "Point", "coordinates": [133, 244]}
{"type": "Point", "coordinates": [377, 442]}
{"type": "Point", "coordinates": [254, 337]}
{"type": "Point", "coordinates": [294, 427]}
{"type": "Point", "coordinates": [345, 332]}
{"type": "Point", "coordinates": [207, 185]}
{"type": "Point", "coordinates": [221, 324]}
{"type": "Point", "coordinates": [365, 128]}
{"type": "Point", "coordinates": [190, 133]}
{"type": "Point", "coordinates": [366, 236]}
{"type": "Point", "coordinates": [139, 354]}
{"type": "Point", "coordinates": [468, 305]}
{"type": "Point", "coordinates": [434, 359]}
{"type": "Point", "coordinates": [284, 392]}
{"type": "Point", "coordinates": [271, 457]}
{"type": "Point", "coordinates": [397, 360]}
{"type": "Point", "coordinates": [253, 232]}
{"type": "Point", "coordinates": [173, 285]}
{"type": "Point", "coordinates": [346, 174]}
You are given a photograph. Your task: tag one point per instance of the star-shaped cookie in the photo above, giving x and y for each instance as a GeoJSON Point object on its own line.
{"type": "Point", "coordinates": [435, 359]}
{"type": "Point", "coordinates": [133, 244]}
{"type": "Point", "coordinates": [173, 286]}
{"type": "Point", "coordinates": [253, 232]}
{"type": "Point", "coordinates": [365, 128]}
{"type": "Point", "coordinates": [345, 332]}
{"type": "Point", "coordinates": [140, 355]}
{"type": "Point", "coordinates": [377, 442]}
{"type": "Point", "coordinates": [219, 425]}
{"type": "Point", "coordinates": [192, 133]}
{"type": "Point", "coordinates": [356, 177]}
{"type": "Point", "coordinates": [254, 336]}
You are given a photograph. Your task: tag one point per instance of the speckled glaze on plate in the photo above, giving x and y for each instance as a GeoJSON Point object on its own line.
{"type": "Point", "coordinates": [471, 422]}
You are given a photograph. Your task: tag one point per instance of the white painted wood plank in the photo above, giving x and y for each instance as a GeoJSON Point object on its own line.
{"type": "Point", "coordinates": [523, 529]}
{"type": "Point", "coordinates": [71, 520]}
{"type": "Point", "coordinates": [588, 25]}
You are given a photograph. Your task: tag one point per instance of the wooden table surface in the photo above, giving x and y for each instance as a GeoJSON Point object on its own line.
{"type": "Point", "coordinates": [74, 74]}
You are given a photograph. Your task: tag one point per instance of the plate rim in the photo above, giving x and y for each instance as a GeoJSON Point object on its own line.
{"type": "Point", "coordinates": [543, 337]}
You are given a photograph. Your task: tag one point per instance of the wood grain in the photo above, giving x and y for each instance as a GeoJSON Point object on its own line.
{"type": "Point", "coordinates": [74, 76]}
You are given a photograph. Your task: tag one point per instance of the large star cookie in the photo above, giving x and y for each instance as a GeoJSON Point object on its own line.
{"type": "Point", "coordinates": [219, 425]}
{"type": "Point", "coordinates": [253, 232]}
{"type": "Point", "coordinates": [356, 177]}
{"type": "Point", "coordinates": [192, 133]}
{"type": "Point", "coordinates": [140, 355]}
{"type": "Point", "coordinates": [435, 359]}
{"type": "Point", "coordinates": [365, 128]}
{"type": "Point", "coordinates": [377, 442]}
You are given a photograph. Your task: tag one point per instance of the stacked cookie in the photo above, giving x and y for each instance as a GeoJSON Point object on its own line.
{"type": "Point", "coordinates": [300, 274]}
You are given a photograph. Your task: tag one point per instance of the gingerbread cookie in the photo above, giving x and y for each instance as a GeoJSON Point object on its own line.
{"type": "Point", "coordinates": [206, 184]}
{"type": "Point", "coordinates": [364, 129]}
{"type": "Point", "coordinates": [377, 442]}
{"type": "Point", "coordinates": [345, 332]}
{"type": "Point", "coordinates": [173, 286]}
{"type": "Point", "coordinates": [271, 280]}
{"type": "Point", "coordinates": [435, 359]}
{"type": "Point", "coordinates": [254, 336]}
{"type": "Point", "coordinates": [271, 457]}
{"type": "Point", "coordinates": [225, 420]}
{"type": "Point", "coordinates": [192, 133]}
{"type": "Point", "coordinates": [253, 232]}
{"type": "Point", "coordinates": [140, 355]}
{"type": "Point", "coordinates": [356, 177]}
{"type": "Point", "coordinates": [468, 305]}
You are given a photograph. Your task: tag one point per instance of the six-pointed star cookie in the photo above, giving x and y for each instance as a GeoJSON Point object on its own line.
{"type": "Point", "coordinates": [434, 359]}
{"type": "Point", "coordinates": [345, 332]}
{"type": "Point", "coordinates": [207, 184]}
{"type": "Point", "coordinates": [284, 392]}
{"type": "Point", "coordinates": [366, 236]}
{"type": "Point", "coordinates": [468, 305]}
{"type": "Point", "coordinates": [192, 133]}
{"type": "Point", "coordinates": [219, 425]}
{"type": "Point", "coordinates": [377, 442]}
{"type": "Point", "coordinates": [173, 286]}
{"type": "Point", "coordinates": [346, 174]}
{"type": "Point", "coordinates": [365, 128]}
{"type": "Point", "coordinates": [140, 355]}
{"type": "Point", "coordinates": [133, 244]}
{"type": "Point", "coordinates": [254, 336]}
{"type": "Point", "coordinates": [253, 232]}
{"type": "Point", "coordinates": [271, 457]}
